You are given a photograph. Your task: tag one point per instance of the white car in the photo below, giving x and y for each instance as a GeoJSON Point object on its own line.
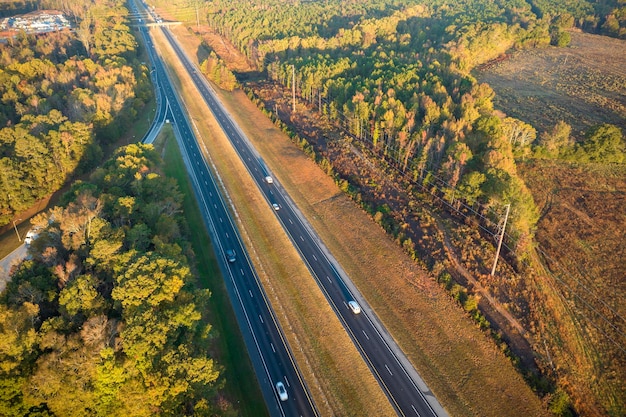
{"type": "Point", "coordinates": [276, 206]}
{"type": "Point", "coordinates": [269, 180]}
{"type": "Point", "coordinates": [30, 236]}
{"type": "Point", "coordinates": [354, 306]}
{"type": "Point", "coordinates": [282, 392]}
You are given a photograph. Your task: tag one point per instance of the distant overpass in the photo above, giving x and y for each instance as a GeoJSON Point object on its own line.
{"type": "Point", "coordinates": [137, 24]}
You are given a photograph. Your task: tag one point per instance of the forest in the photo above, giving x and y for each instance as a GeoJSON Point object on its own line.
{"type": "Point", "coordinates": [397, 74]}
{"type": "Point", "coordinates": [105, 318]}
{"type": "Point", "coordinates": [398, 79]}
{"type": "Point", "coordinates": [63, 96]}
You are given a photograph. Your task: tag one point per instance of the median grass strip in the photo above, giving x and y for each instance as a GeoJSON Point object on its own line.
{"type": "Point", "coordinates": [339, 380]}
{"type": "Point", "coordinates": [462, 365]}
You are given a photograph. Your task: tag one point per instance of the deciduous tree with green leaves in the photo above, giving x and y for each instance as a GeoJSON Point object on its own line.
{"type": "Point", "coordinates": [98, 324]}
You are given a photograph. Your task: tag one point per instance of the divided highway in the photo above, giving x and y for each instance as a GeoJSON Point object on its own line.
{"type": "Point", "coordinates": [267, 347]}
{"type": "Point", "coordinates": [405, 389]}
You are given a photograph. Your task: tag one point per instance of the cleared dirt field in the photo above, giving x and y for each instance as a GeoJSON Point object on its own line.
{"type": "Point", "coordinates": [583, 84]}
{"type": "Point", "coordinates": [582, 231]}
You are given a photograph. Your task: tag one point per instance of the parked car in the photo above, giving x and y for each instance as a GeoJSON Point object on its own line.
{"type": "Point", "coordinates": [30, 236]}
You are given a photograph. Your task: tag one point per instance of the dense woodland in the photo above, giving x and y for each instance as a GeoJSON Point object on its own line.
{"type": "Point", "coordinates": [398, 76]}
{"type": "Point", "coordinates": [63, 96]}
{"type": "Point", "coordinates": [105, 319]}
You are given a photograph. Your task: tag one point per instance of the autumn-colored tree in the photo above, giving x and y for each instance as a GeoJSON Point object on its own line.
{"type": "Point", "coordinates": [57, 105]}
{"type": "Point", "coordinates": [557, 140]}
{"type": "Point", "coordinates": [106, 319]}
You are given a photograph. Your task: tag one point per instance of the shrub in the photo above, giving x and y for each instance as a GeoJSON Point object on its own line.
{"type": "Point", "coordinates": [560, 404]}
{"type": "Point", "coordinates": [603, 143]}
{"type": "Point", "coordinates": [445, 279]}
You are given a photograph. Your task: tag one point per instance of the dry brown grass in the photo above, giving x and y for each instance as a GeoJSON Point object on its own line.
{"type": "Point", "coordinates": [583, 85]}
{"type": "Point", "coordinates": [338, 378]}
{"type": "Point", "coordinates": [461, 365]}
{"type": "Point", "coordinates": [583, 216]}
{"type": "Point", "coordinates": [582, 232]}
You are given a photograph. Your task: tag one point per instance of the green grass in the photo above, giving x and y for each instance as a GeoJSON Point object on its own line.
{"type": "Point", "coordinates": [9, 241]}
{"type": "Point", "coordinates": [241, 385]}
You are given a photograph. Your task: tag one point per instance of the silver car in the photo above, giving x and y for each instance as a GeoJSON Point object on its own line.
{"type": "Point", "coordinates": [282, 392]}
{"type": "Point", "coordinates": [354, 306]}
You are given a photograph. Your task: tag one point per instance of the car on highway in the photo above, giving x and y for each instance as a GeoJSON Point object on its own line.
{"type": "Point", "coordinates": [354, 306]}
{"type": "Point", "coordinates": [230, 255]}
{"type": "Point", "coordinates": [269, 180]}
{"type": "Point", "coordinates": [276, 206]}
{"type": "Point", "coordinates": [282, 392]}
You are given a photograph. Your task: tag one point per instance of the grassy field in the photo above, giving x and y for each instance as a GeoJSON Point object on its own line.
{"type": "Point", "coordinates": [581, 238]}
{"type": "Point", "coordinates": [463, 367]}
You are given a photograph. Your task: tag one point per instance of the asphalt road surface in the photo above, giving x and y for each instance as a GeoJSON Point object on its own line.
{"type": "Point", "coordinates": [405, 389]}
{"type": "Point", "coordinates": [265, 341]}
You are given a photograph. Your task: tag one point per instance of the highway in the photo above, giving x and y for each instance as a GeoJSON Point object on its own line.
{"type": "Point", "coordinates": [406, 391]}
{"type": "Point", "coordinates": [267, 347]}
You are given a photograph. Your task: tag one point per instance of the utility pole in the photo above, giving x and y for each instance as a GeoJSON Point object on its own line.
{"type": "Point", "coordinates": [16, 232]}
{"type": "Point", "coordinates": [293, 87]}
{"type": "Point", "coordinates": [495, 261]}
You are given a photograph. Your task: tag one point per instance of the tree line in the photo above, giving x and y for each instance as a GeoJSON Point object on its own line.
{"type": "Point", "coordinates": [605, 17]}
{"type": "Point", "coordinates": [62, 96]}
{"type": "Point", "coordinates": [397, 74]}
{"type": "Point", "coordinates": [104, 317]}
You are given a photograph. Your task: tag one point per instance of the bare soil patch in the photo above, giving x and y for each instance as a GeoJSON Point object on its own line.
{"type": "Point", "coordinates": [583, 84]}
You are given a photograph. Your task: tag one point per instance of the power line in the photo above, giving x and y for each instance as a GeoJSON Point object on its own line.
{"type": "Point", "coordinates": [443, 187]}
